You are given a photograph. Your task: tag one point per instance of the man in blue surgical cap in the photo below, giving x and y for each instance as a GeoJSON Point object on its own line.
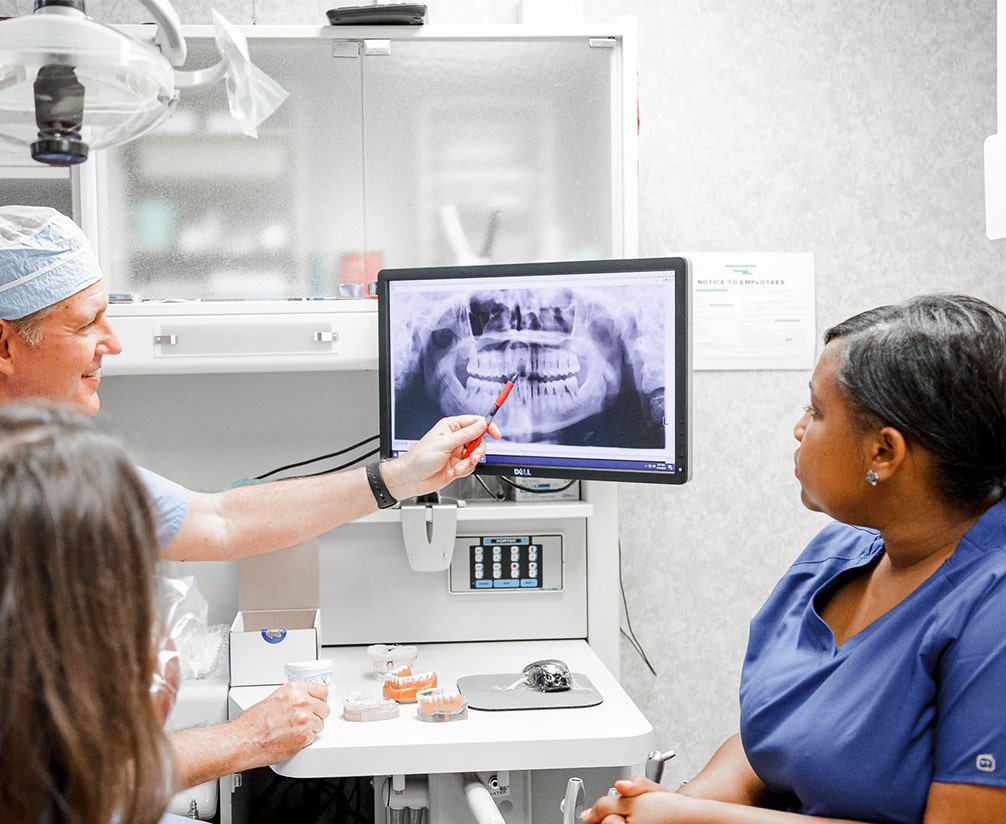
{"type": "Point", "coordinates": [53, 337]}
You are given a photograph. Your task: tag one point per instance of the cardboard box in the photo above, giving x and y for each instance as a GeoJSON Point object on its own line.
{"type": "Point", "coordinates": [262, 641]}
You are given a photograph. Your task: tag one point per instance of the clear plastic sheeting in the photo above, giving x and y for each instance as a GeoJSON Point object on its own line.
{"type": "Point", "coordinates": [202, 649]}
{"type": "Point", "coordinates": [251, 94]}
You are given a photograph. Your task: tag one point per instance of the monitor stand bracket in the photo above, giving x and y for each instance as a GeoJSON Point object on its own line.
{"type": "Point", "coordinates": [429, 528]}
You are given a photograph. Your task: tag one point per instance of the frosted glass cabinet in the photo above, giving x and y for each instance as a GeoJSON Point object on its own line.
{"type": "Point", "coordinates": [397, 146]}
{"type": "Point", "coordinates": [25, 182]}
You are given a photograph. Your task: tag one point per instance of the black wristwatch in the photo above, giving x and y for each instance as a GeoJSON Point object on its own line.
{"type": "Point", "coordinates": [381, 494]}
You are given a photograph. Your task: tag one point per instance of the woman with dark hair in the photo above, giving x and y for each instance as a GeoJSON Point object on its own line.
{"type": "Point", "coordinates": [873, 685]}
{"type": "Point", "coordinates": [86, 675]}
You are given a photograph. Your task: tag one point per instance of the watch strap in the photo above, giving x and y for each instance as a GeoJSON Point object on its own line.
{"type": "Point", "coordinates": [381, 494]}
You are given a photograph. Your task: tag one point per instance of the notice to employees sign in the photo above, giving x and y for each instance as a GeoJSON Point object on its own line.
{"type": "Point", "coordinates": [752, 311]}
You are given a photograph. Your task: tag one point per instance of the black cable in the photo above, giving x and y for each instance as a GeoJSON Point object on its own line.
{"type": "Point", "coordinates": [631, 635]}
{"type": "Point", "coordinates": [271, 472]}
{"type": "Point", "coordinates": [343, 466]}
{"type": "Point", "coordinates": [496, 496]}
{"type": "Point", "coordinates": [633, 643]}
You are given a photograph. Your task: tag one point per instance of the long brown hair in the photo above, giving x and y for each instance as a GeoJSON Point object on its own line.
{"type": "Point", "coordinates": [80, 741]}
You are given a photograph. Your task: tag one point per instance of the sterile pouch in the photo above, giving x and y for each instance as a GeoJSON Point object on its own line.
{"type": "Point", "coordinates": [251, 93]}
{"type": "Point", "coordinates": [202, 649]}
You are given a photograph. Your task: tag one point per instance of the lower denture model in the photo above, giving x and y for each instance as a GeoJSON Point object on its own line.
{"type": "Point", "coordinates": [441, 704]}
{"type": "Point", "coordinates": [403, 687]}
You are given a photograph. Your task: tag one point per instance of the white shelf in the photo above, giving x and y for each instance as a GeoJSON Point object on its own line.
{"type": "Point", "coordinates": [240, 308]}
{"type": "Point", "coordinates": [499, 511]}
{"type": "Point", "coordinates": [612, 734]}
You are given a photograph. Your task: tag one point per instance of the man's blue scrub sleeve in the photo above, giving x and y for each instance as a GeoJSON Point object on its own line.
{"type": "Point", "coordinates": [171, 502]}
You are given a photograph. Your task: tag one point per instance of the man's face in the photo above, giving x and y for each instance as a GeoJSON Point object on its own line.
{"type": "Point", "coordinates": [64, 367]}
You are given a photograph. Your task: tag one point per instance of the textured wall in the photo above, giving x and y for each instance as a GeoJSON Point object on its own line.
{"type": "Point", "coordinates": [852, 130]}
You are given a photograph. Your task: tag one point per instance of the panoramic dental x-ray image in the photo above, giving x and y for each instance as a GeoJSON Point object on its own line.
{"type": "Point", "coordinates": [590, 363]}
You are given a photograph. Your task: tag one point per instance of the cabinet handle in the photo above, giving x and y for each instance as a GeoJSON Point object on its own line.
{"type": "Point", "coordinates": [326, 337]}
{"type": "Point", "coordinates": [376, 47]}
{"type": "Point", "coordinates": [166, 340]}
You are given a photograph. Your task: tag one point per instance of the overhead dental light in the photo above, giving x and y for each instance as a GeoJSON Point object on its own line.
{"type": "Point", "coordinates": [69, 84]}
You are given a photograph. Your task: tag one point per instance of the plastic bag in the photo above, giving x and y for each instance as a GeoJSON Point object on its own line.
{"type": "Point", "coordinates": [251, 93]}
{"type": "Point", "coordinates": [202, 649]}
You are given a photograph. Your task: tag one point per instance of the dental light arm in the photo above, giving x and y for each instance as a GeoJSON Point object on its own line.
{"type": "Point", "coordinates": [169, 31]}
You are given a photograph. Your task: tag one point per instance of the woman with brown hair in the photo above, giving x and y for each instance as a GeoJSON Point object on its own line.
{"type": "Point", "coordinates": [83, 689]}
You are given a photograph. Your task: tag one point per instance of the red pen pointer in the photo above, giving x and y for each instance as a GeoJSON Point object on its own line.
{"type": "Point", "coordinates": [502, 396]}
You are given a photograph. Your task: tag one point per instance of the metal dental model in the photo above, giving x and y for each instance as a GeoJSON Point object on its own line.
{"type": "Point", "coordinates": [547, 675]}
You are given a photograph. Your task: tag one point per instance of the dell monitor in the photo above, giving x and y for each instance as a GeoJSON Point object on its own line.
{"type": "Point", "coordinates": [600, 350]}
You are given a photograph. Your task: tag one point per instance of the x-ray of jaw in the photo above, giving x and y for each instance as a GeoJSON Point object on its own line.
{"type": "Point", "coordinates": [590, 362]}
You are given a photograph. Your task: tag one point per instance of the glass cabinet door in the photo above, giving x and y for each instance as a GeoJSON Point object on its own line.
{"type": "Point", "coordinates": [25, 186]}
{"type": "Point", "coordinates": [198, 210]}
{"type": "Point", "coordinates": [26, 182]}
{"type": "Point", "coordinates": [421, 150]}
{"type": "Point", "coordinates": [489, 150]}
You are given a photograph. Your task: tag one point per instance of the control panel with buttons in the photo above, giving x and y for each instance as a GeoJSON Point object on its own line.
{"type": "Point", "coordinates": [507, 563]}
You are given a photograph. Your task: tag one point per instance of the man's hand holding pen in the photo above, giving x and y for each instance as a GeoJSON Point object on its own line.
{"type": "Point", "coordinates": [504, 392]}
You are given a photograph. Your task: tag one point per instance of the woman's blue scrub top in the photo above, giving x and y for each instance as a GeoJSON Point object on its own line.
{"type": "Point", "coordinates": [860, 731]}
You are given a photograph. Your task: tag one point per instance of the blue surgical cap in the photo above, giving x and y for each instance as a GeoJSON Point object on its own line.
{"type": "Point", "coordinates": [44, 258]}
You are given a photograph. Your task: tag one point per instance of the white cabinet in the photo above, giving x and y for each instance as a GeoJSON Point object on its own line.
{"type": "Point", "coordinates": [400, 146]}
{"type": "Point", "coordinates": [397, 146]}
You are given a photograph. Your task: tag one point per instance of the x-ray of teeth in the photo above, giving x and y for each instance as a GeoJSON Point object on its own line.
{"type": "Point", "coordinates": [590, 363]}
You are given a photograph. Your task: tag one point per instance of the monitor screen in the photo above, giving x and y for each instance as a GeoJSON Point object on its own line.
{"type": "Point", "coordinates": [599, 352]}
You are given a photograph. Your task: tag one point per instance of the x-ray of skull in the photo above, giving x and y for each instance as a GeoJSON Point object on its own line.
{"type": "Point", "coordinates": [590, 362]}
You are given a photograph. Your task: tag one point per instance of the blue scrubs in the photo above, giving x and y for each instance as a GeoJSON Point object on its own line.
{"type": "Point", "coordinates": [860, 731]}
{"type": "Point", "coordinates": [171, 502]}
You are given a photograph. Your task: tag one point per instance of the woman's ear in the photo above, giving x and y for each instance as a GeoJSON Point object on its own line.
{"type": "Point", "coordinates": [886, 452]}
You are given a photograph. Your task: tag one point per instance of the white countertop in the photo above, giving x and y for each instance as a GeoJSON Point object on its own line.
{"type": "Point", "coordinates": [612, 734]}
